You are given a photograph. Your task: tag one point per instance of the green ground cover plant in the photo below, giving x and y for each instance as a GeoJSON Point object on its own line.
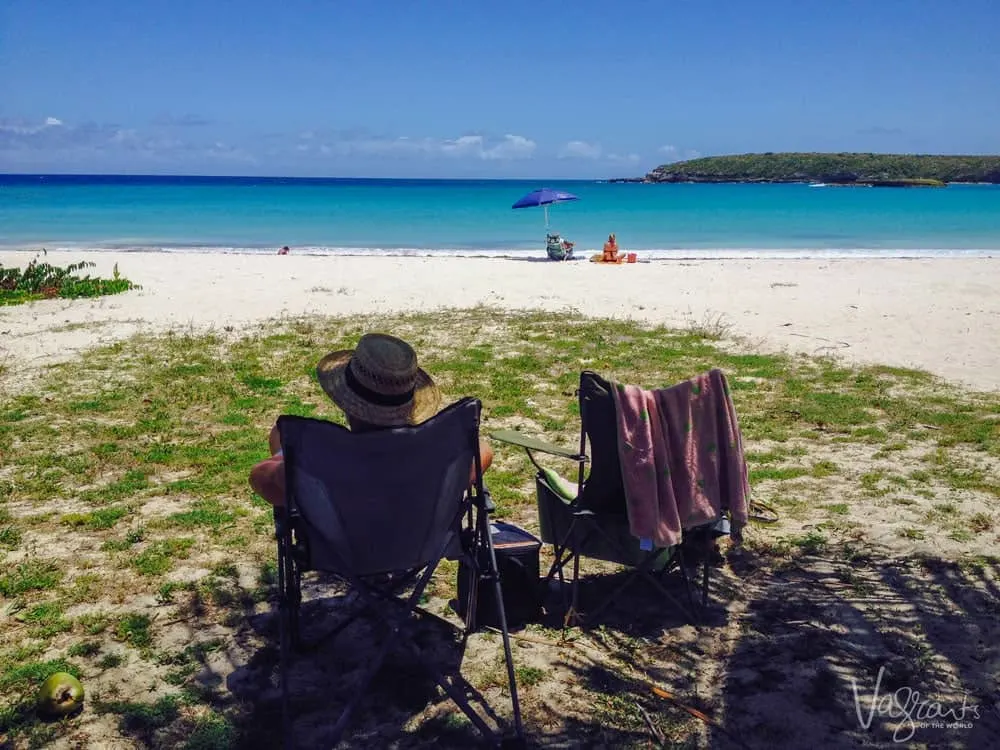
{"type": "Point", "coordinates": [135, 555]}
{"type": "Point", "coordinates": [40, 280]}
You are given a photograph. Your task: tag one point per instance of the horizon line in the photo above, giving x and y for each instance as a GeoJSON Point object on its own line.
{"type": "Point", "coordinates": [296, 177]}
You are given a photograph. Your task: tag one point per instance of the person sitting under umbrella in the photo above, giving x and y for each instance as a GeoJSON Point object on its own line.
{"type": "Point", "coordinates": [557, 248]}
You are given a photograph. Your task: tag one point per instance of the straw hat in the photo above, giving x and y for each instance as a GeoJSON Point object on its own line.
{"type": "Point", "coordinates": [379, 382]}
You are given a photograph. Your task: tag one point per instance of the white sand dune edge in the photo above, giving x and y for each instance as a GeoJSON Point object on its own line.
{"type": "Point", "coordinates": [942, 315]}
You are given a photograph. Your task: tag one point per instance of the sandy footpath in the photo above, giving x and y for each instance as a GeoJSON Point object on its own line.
{"type": "Point", "coordinates": [942, 315]}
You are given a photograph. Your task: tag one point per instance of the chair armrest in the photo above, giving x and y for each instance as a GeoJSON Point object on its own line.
{"type": "Point", "coordinates": [513, 437]}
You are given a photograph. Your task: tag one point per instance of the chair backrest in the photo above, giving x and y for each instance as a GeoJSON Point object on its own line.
{"type": "Point", "coordinates": [603, 490]}
{"type": "Point", "coordinates": [384, 500]}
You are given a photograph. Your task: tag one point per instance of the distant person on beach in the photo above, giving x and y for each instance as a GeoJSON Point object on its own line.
{"type": "Point", "coordinates": [611, 254]}
{"type": "Point", "coordinates": [557, 248]}
{"type": "Point", "coordinates": [378, 386]}
{"type": "Point", "coordinates": [284, 250]}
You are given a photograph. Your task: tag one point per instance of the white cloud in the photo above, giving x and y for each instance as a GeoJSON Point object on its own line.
{"type": "Point", "coordinates": [672, 153]}
{"type": "Point", "coordinates": [466, 145]}
{"type": "Point", "coordinates": [623, 158]}
{"type": "Point", "coordinates": [595, 152]}
{"type": "Point", "coordinates": [472, 146]}
{"type": "Point", "coordinates": [24, 128]}
{"type": "Point", "coordinates": [580, 150]}
{"type": "Point", "coordinates": [511, 147]}
{"type": "Point", "coordinates": [181, 121]}
{"type": "Point", "coordinates": [59, 141]}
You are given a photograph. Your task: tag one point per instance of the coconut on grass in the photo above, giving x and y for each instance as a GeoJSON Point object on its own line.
{"type": "Point", "coordinates": [60, 695]}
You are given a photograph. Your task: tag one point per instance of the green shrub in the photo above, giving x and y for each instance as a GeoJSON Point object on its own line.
{"type": "Point", "coordinates": [43, 280]}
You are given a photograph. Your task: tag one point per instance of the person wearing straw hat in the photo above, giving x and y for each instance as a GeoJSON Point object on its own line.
{"type": "Point", "coordinates": [377, 385]}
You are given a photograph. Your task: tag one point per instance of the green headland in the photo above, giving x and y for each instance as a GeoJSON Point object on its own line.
{"type": "Point", "coordinates": [858, 169]}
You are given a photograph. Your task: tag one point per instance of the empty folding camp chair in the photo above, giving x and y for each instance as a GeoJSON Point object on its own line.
{"type": "Point", "coordinates": [379, 510]}
{"type": "Point", "coordinates": [589, 518]}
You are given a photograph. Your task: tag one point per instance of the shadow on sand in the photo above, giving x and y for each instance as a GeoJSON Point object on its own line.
{"type": "Point", "coordinates": [772, 666]}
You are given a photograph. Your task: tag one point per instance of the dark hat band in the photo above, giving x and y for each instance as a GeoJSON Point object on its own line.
{"type": "Point", "coordinates": [374, 397]}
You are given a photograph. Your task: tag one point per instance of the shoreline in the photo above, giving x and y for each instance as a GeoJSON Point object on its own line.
{"type": "Point", "coordinates": [937, 314]}
{"type": "Point", "coordinates": [520, 254]}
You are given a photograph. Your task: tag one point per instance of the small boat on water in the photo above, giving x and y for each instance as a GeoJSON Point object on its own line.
{"type": "Point", "coordinates": [817, 184]}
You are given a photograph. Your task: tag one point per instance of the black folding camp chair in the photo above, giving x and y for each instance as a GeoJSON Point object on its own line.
{"type": "Point", "coordinates": [379, 510]}
{"type": "Point", "coordinates": [589, 518]}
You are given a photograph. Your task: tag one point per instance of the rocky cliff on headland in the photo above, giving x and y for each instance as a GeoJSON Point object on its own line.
{"type": "Point", "coordinates": [883, 170]}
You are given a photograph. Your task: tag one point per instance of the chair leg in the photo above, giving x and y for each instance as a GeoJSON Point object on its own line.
{"type": "Point", "coordinates": [295, 605]}
{"type": "Point", "coordinates": [491, 561]}
{"type": "Point", "coordinates": [285, 647]}
{"type": "Point", "coordinates": [563, 553]}
{"type": "Point", "coordinates": [395, 620]}
{"type": "Point", "coordinates": [284, 637]}
{"type": "Point", "coordinates": [706, 571]}
{"type": "Point", "coordinates": [572, 616]}
{"type": "Point", "coordinates": [682, 567]}
{"type": "Point", "coordinates": [645, 569]}
{"type": "Point", "coordinates": [362, 687]}
{"type": "Point", "coordinates": [457, 696]}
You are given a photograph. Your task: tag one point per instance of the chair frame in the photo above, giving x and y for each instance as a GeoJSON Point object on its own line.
{"type": "Point", "coordinates": [387, 597]}
{"type": "Point", "coordinates": [653, 565]}
{"type": "Point", "coordinates": [586, 522]}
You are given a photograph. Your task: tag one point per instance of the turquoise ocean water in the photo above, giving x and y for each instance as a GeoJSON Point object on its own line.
{"type": "Point", "coordinates": [474, 217]}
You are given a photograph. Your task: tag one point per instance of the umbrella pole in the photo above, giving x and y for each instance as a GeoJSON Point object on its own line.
{"type": "Point", "coordinates": [546, 216]}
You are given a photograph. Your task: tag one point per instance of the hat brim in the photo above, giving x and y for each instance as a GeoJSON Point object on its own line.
{"type": "Point", "coordinates": [425, 402]}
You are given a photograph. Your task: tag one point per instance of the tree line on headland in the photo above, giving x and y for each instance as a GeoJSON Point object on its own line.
{"type": "Point", "coordinates": [891, 170]}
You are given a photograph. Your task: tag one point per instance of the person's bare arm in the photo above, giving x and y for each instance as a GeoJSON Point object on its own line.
{"type": "Point", "coordinates": [267, 478]}
{"type": "Point", "coordinates": [485, 459]}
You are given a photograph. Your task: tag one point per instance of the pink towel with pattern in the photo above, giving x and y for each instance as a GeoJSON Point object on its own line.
{"type": "Point", "coordinates": [682, 457]}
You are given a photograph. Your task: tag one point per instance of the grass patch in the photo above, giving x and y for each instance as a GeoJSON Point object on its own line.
{"type": "Point", "coordinates": [135, 629]}
{"type": "Point", "coordinates": [810, 544]}
{"type": "Point", "coordinates": [85, 648]}
{"type": "Point", "coordinates": [529, 676]}
{"type": "Point", "coordinates": [160, 556]}
{"type": "Point", "coordinates": [32, 575]}
{"type": "Point", "coordinates": [823, 469]}
{"type": "Point", "coordinates": [777, 473]}
{"type": "Point", "coordinates": [981, 523]}
{"type": "Point", "coordinates": [10, 537]}
{"type": "Point", "coordinates": [103, 518]}
{"type": "Point", "coordinates": [211, 732]}
{"type": "Point", "coordinates": [45, 620]}
{"type": "Point", "coordinates": [141, 720]}
{"type": "Point", "coordinates": [158, 433]}
{"type": "Point", "coordinates": [110, 661]}
{"type": "Point", "coordinates": [94, 623]}
{"type": "Point", "coordinates": [210, 513]}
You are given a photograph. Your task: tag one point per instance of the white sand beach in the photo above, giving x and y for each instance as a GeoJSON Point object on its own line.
{"type": "Point", "coordinates": [942, 315]}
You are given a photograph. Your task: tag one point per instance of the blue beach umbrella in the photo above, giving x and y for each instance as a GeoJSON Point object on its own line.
{"type": "Point", "coordinates": [545, 197]}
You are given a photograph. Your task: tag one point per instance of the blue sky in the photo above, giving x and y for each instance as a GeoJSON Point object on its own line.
{"type": "Point", "coordinates": [470, 88]}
